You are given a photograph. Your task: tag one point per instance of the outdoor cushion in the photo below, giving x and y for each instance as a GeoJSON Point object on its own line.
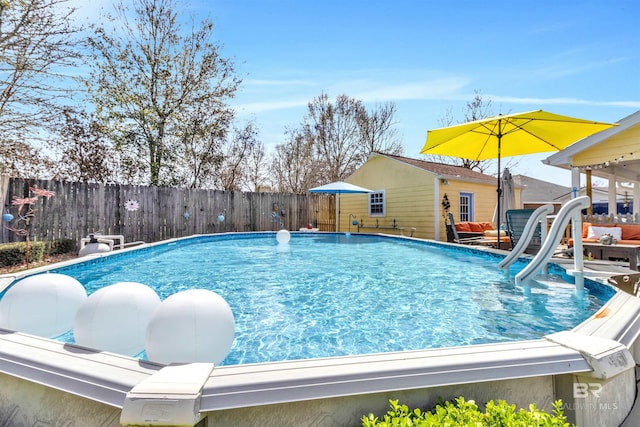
{"type": "Point", "coordinates": [463, 226]}
{"type": "Point", "coordinates": [487, 226]}
{"type": "Point", "coordinates": [475, 227]}
{"type": "Point", "coordinates": [630, 231]}
{"type": "Point", "coordinates": [597, 232]}
{"type": "Point", "coordinates": [586, 225]}
{"type": "Point", "coordinates": [494, 233]}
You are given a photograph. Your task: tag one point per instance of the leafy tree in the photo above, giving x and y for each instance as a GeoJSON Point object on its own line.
{"type": "Point", "coordinates": [37, 44]}
{"type": "Point", "coordinates": [149, 76]}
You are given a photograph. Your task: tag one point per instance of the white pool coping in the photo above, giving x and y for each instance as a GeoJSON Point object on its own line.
{"type": "Point", "coordinates": [270, 383]}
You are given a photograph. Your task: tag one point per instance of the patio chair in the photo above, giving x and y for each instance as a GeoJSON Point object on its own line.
{"type": "Point", "coordinates": [516, 221]}
{"type": "Point", "coordinates": [463, 238]}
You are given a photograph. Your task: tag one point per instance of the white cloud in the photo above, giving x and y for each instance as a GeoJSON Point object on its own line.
{"type": "Point", "coordinates": [276, 83]}
{"type": "Point", "coordinates": [364, 90]}
{"type": "Point", "coordinates": [563, 101]}
{"type": "Point", "coordinates": [558, 71]}
{"type": "Point", "coordinates": [261, 107]}
{"type": "Point", "coordinates": [440, 89]}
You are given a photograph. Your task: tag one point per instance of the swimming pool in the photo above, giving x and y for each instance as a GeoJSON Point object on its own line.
{"type": "Point", "coordinates": [43, 379]}
{"type": "Point", "coordinates": [332, 294]}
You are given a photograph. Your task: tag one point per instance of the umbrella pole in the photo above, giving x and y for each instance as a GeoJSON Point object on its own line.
{"type": "Point", "coordinates": [338, 210]}
{"type": "Point", "coordinates": [499, 187]}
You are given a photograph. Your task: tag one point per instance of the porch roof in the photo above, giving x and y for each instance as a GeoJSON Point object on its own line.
{"type": "Point", "coordinates": [612, 152]}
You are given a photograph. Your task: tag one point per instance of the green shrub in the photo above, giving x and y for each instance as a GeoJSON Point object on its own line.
{"type": "Point", "coordinates": [61, 246]}
{"type": "Point", "coordinates": [16, 253]}
{"type": "Point", "coordinates": [11, 254]}
{"type": "Point", "coordinates": [467, 413]}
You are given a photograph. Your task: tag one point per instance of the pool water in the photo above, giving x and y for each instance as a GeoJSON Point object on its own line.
{"type": "Point", "coordinates": [334, 294]}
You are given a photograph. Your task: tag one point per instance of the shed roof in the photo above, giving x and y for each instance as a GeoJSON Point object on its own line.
{"type": "Point", "coordinates": [538, 191]}
{"type": "Point", "coordinates": [443, 170]}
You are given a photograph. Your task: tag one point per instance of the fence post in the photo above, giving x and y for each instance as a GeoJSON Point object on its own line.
{"type": "Point", "coordinates": [4, 187]}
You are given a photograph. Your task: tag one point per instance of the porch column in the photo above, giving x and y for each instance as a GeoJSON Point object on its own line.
{"type": "Point", "coordinates": [636, 200]}
{"type": "Point", "coordinates": [436, 209]}
{"type": "Point", "coordinates": [612, 194]}
{"type": "Point", "coordinates": [589, 192]}
{"type": "Point", "coordinates": [575, 182]}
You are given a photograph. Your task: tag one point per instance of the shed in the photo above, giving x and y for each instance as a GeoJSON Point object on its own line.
{"type": "Point", "coordinates": [410, 193]}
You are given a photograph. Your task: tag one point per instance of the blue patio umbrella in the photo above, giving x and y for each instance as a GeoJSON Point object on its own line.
{"type": "Point", "coordinates": [337, 188]}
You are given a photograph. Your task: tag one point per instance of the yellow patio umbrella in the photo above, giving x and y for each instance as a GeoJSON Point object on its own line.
{"type": "Point", "coordinates": [509, 135]}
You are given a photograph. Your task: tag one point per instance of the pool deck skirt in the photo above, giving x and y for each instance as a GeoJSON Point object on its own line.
{"type": "Point", "coordinates": [591, 368]}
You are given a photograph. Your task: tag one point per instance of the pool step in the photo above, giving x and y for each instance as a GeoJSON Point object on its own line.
{"type": "Point", "coordinates": [550, 280]}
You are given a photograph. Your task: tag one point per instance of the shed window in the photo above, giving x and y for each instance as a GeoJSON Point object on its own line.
{"type": "Point", "coordinates": [466, 207]}
{"type": "Point", "coordinates": [377, 203]}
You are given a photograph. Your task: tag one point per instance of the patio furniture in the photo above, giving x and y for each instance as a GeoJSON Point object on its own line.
{"type": "Point", "coordinates": [485, 234]}
{"type": "Point", "coordinates": [609, 252]}
{"type": "Point", "coordinates": [516, 221]}
{"type": "Point", "coordinates": [463, 237]}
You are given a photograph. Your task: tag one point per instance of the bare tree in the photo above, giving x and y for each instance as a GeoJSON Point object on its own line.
{"type": "Point", "coordinates": [84, 154]}
{"type": "Point", "coordinates": [233, 172]}
{"type": "Point", "coordinates": [199, 155]}
{"type": "Point", "coordinates": [20, 160]}
{"type": "Point", "coordinates": [377, 131]}
{"type": "Point", "coordinates": [257, 168]}
{"type": "Point", "coordinates": [478, 108]}
{"type": "Point", "coordinates": [343, 134]}
{"type": "Point", "coordinates": [332, 128]}
{"type": "Point", "coordinates": [148, 75]}
{"type": "Point", "coordinates": [37, 45]}
{"type": "Point", "coordinates": [294, 167]}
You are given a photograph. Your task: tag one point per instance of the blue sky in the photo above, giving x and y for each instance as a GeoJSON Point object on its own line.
{"type": "Point", "coordinates": [578, 58]}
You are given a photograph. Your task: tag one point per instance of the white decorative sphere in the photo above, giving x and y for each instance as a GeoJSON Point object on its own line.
{"type": "Point", "coordinates": [283, 236]}
{"type": "Point", "coordinates": [191, 326]}
{"type": "Point", "coordinates": [221, 218]}
{"type": "Point", "coordinates": [43, 305]}
{"type": "Point", "coordinates": [115, 318]}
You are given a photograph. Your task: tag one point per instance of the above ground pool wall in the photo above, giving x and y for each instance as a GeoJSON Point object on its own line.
{"type": "Point", "coordinates": [25, 403]}
{"type": "Point", "coordinates": [592, 402]}
{"type": "Point", "coordinates": [347, 411]}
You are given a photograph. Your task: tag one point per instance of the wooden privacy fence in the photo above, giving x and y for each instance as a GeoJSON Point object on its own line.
{"type": "Point", "coordinates": [78, 209]}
